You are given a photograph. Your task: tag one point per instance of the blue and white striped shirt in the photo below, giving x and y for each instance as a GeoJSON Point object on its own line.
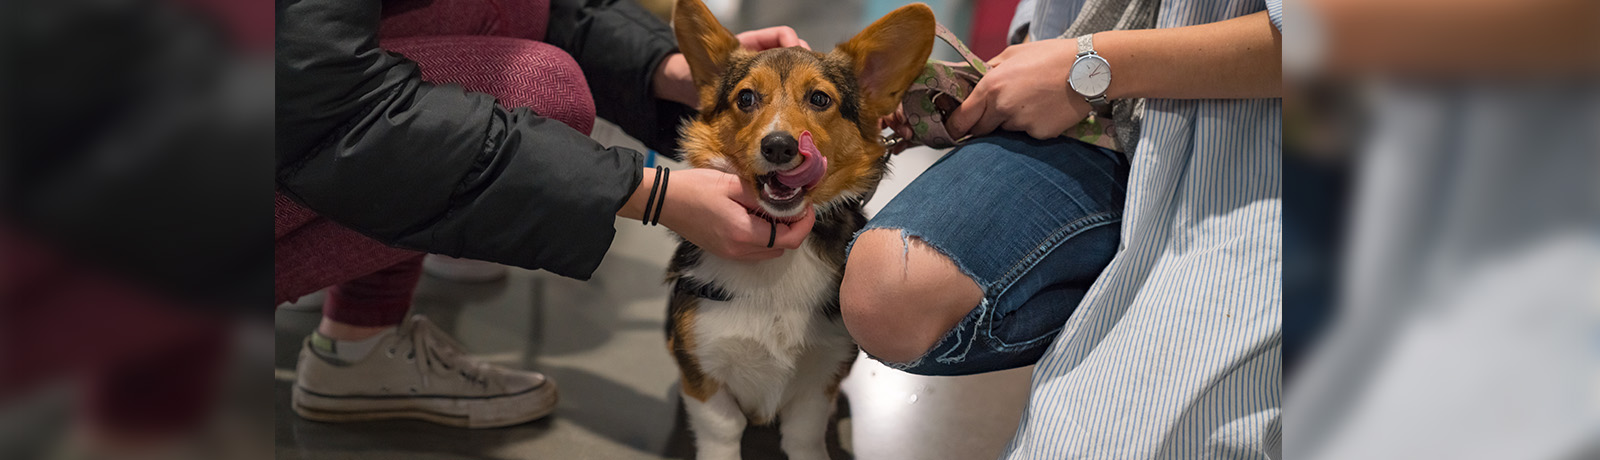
{"type": "Point", "coordinates": [1175, 351]}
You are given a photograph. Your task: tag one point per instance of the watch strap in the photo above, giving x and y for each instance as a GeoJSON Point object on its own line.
{"type": "Point", "coordinates": [1101, 106]}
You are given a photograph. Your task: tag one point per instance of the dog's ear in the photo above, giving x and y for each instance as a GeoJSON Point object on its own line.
{"type": "Point", "coordinates": [889, 55]}
{"type": "Point", "coordinates": [704, 42]}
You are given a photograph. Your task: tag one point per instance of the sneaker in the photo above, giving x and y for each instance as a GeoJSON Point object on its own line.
{"type": "Point", "coordinates": [462, 270]}
{"type": "Point", "coordinates": [419, 373]}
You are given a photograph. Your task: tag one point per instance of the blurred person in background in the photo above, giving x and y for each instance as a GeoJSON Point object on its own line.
{"type": "Point", "coordinates": [1322, 124]}
{"type": "Point", "coordinates": [1466, 310]}
{"type": "Point", "coordinates": [366, 142]}
{"type": "Point", "coordinates": [134, 137]}
{"type": "Point", "coordinates": [1173, 349]}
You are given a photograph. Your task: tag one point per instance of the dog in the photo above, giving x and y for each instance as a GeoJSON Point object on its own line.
{"type": "Point", "coordinates": [762, 341]}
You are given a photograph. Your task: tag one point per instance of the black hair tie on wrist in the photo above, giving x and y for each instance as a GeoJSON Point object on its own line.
{"type": "Point", "coordinates": [774, 236]}
{"type": "Point", "coordinates": [649, 203]}
{"type": "Point", "coordinates": [666, 176]}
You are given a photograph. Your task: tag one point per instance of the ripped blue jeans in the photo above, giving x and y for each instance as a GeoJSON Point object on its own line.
{"type": "Point", "coordinates": [1032, 222]}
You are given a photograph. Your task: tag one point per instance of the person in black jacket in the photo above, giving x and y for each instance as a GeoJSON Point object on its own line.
{"type": "Point", "coordinates": [364, 141]}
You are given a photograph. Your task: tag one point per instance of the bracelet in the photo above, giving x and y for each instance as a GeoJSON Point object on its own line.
{"type": "Point", "coordinates": [651, 201]}
{"type": "Point", "coordinates": [666, 176]}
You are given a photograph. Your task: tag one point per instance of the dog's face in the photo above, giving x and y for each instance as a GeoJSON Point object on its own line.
{"type": "Point", "coordinates": [798, 126]}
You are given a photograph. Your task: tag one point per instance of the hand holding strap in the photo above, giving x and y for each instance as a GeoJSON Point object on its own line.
{"type": "Point", "coordinates": [939, 90]}
{"type": "Point", "coordinates": [943, 86]}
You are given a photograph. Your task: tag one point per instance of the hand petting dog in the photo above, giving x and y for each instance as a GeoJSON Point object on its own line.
{"type": "Point", "coordinates": [711, 209]}
{"type": "Point", "coordinates": [741, 235]}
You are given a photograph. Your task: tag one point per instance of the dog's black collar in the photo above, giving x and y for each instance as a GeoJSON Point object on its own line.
{"type": "Point", "coordinates": [701, 289]}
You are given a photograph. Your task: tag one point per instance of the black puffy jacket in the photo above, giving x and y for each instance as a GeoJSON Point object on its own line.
{"type": "Point", "coordinates": [362, 140]}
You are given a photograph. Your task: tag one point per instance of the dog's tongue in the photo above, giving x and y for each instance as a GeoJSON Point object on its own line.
{"type": "Point", "coordinates": [812, 165]}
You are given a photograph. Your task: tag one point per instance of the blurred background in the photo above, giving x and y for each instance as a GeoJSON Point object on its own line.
{"type": "Point", "coordinates": [1441, 234]}
{"type": "Point", "coordinates": [1441, 229]}
{"type": "Point", "coordinates": [135, 267]}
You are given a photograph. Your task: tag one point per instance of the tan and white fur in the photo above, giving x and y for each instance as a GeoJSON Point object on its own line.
{"type": "Point", "coordinates": [758, 342]}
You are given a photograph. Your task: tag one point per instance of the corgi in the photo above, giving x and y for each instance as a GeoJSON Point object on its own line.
{"type": "Point", "coordinates": [758, 342]}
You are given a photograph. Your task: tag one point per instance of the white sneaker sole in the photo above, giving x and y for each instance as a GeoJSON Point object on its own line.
{"type": "Point", "coordinates": [457, 412]}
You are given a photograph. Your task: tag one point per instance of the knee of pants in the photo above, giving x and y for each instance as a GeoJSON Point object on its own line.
{"type": "Point", "coordinates": [895, 317]}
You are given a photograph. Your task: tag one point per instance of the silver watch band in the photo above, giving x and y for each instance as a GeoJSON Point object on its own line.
{"type": "Point", "coordinates": [1101, 106]}
{"type": "Point", "coordinates": [1085, 44]}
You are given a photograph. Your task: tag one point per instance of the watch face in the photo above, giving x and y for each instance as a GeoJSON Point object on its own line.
{"type": "Point", "coordinates": [1090, 76]}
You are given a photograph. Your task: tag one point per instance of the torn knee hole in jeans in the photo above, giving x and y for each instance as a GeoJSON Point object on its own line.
{"type": "Point", "coordinates": [905, 250]}
{"type": "Point", "coordinates": [906, 239]}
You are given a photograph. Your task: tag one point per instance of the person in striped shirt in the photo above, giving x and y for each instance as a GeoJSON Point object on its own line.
{"type": "Point", "coordinates": [1143, 280]}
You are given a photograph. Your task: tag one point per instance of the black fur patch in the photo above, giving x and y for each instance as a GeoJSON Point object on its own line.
{"type": "Point", "coordinates": [687, 255]}
{"type": "Point", "coordinates": [701, 289]}
{"type": "Point", "coordinates": [783, 59]}
{"type": "Point", "coordinates": [844, 77]}
{"type": "Point", "coordinates": [834, 228]}
{"type": "Point", "coordinates": [679, 307]}
{"type": "Point", "coordinates": [737, 70]}
{"type": "Point", "coordinates": [831, 235]}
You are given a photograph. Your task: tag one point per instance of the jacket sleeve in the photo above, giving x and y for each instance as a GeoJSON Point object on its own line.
{"type": "Point", "coordinates": [362, 140]}
{"type": "Point", "coordinates": [619, 45]}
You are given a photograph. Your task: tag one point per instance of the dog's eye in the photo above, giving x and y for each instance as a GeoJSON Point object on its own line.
{"type": "Point", "coordinates": [820, 100]}
{"type": "Point", "coordinates": [747, 99]}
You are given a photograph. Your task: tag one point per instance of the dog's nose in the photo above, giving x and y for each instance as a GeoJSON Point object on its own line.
{"type": "Point", "coordinates": [779, 147]}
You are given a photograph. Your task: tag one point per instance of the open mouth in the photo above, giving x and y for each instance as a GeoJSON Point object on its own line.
{"type": "Point", "coordinates": [778, 195]}
{"type": "Point", "coordinates": [782, 191]}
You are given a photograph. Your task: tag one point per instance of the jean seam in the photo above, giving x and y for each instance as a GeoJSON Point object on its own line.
{"type": "Point", "coordinates": [1026, 265]}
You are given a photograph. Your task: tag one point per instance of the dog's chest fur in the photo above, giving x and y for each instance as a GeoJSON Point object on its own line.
{"type": "Point", "coordinates": [774, 301]}
{"type": "Point", "coordinates": [765, 322]}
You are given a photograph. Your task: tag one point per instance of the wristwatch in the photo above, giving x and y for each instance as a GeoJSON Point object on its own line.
{"type": "Point", "coordinates": [1090, 76]}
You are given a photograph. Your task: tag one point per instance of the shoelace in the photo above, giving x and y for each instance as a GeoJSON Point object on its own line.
{"type": "Point", "coordinates": [426, 351]}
